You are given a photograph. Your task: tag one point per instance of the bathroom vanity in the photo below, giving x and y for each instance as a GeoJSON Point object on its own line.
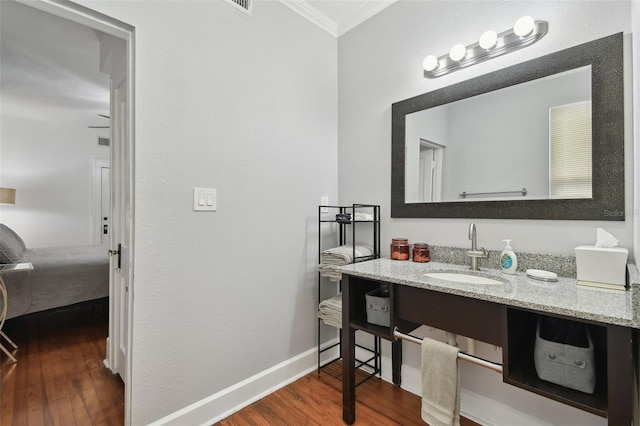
{"type": "Point", "coordinates": [503, 314]}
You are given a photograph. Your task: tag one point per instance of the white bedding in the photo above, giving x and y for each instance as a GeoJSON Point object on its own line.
{"type": "Point", "coordinates": [60, 277]}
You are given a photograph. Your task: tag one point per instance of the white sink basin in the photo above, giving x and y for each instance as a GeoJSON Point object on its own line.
{"type": "Point", "coordinates": [463, 278]}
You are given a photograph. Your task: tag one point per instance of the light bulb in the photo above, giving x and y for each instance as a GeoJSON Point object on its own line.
{"type": "Point", "coordinates": [430, 63]}
{"type": "Point", "coordinates": [488, 40]}
{"type": "Point", "coordinates": [523, 26]}
{"type": "Point", "coordinates": [458, 52]}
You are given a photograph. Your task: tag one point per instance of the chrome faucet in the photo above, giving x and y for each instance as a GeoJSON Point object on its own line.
{"type": "Point", "coordinates": [474, 253]}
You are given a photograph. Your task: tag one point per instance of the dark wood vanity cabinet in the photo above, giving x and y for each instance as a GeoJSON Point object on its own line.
{"type": "Point", "coordinates": [512, 328]}
{"type": "Point", "coordinates": [615, 394]}
{"type": "Point", "coordinates": [456, 314]}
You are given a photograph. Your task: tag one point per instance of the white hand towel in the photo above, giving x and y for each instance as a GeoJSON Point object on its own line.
{"type": "Point", "coordinates": [440, 384]}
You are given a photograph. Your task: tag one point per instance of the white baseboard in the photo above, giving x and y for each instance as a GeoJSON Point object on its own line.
{"type": "Point", "coordinates": [226, 402]}
{"type": "Point", "coordinates": [222, 404]}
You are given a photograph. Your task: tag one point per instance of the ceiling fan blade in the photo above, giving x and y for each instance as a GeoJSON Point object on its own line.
{"type": "Point", "coordinates": [105, 116]}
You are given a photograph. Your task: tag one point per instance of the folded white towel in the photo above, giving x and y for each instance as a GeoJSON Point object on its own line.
{"type": "Point", "coordinates": [343, 255]}
{"type": "Point", "coordinates": [329, 272]}
{"type": "Point", "coordinates": [330, 311]}
{"type": "Point", "coordinates": [363, 216]}
{"type": "Point", "coordinates": [440, 384]}
{"type": "Point", "coordinates": [337, 256]}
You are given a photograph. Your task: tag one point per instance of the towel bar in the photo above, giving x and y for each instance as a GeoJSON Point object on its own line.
{"type": "Point", "coordinates": [466, 194]}
{"type": "Point", "coordinates": [461, 355]}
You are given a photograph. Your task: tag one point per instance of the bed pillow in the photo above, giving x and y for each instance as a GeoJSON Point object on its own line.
{"type": "Point", "coordinates": [11, 245]}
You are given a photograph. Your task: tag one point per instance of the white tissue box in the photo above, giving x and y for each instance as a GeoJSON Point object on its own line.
{"type": "Point", "coordinates": [602, 267]}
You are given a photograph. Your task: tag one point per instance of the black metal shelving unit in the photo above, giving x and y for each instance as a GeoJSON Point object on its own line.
{"type": "Point", "coordinates": [344, 237]}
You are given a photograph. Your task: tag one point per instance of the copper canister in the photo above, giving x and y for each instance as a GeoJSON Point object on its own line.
{"type": "Point", "coordinates": [399, 249]}
{"type": "Point", "coordinates": [421, 252]}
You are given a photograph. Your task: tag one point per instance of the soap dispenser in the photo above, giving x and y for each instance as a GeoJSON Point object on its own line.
{"type": "Point", "coordinates": [508, 259]}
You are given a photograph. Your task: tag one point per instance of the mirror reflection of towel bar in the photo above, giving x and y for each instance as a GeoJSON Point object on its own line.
{"type": "Point", "coordinates": [461, 355]}
{"type": "Point", "coordinates": [466, 194]}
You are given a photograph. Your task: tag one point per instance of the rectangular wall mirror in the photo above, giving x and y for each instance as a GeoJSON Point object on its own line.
{"type": "Point", "coordinates": [539, 140]}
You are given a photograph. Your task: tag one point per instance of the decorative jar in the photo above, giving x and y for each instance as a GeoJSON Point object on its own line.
{"type": "Point", "coordinates": [399, 249]}
{"type": "Point", "coordinates": [421, 252]}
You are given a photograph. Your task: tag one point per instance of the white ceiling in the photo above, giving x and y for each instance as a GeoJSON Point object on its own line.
{"type": "Point", "coordinates": [49, 66]}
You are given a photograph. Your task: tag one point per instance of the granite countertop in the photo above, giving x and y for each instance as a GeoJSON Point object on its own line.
{"type": "Point", "coordinates": [563, 297]}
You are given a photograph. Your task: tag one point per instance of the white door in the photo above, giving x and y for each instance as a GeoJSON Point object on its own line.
{"type": "Point", "coordinates": [121, 238]}
{"type": "Point", "coordinates": [430, 172]}
{"type": "Point", "coordinates": [120, 338]}
{"type": "Point", "coordinates": [425, 186]}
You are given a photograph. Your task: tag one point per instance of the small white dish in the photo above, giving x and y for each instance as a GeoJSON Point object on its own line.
{"type": "Point", "coordinates": [538, 274]}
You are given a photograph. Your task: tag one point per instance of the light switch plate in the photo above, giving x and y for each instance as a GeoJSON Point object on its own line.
{"type": "Point", "coordinates": [205, 199]}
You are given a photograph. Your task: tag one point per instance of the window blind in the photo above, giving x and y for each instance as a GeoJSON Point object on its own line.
{"type": "Point", "coordinates": [570, 150]}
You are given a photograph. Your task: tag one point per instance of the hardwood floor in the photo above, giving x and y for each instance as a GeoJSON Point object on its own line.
{"type": "Point", "coordinates": [59, 378]}
{"type": "Point", "coordinates": [317, 400]}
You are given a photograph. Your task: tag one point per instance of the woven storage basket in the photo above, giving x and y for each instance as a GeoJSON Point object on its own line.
{"type": "Point", "coordinates": [378, 308]}
{"type": "Point", "coordinates": [566, 365]}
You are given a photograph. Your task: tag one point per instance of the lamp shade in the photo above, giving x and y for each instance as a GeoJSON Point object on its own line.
{"type": "Point", "coordinates": [7, 196]}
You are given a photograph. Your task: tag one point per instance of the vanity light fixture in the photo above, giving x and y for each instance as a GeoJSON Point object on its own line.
{"type": "Point", "coordinates": [458, 52]}
{"type": "Point", "coordinates": [525, 32]}
{"type": "Point", "coordinates": [488, 40]}
{"type": "Point", "coordinates": [430, 63]}
{"type": "Point", "coordinates": [523, 26]}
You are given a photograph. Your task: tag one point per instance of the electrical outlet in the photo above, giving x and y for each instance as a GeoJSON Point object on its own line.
{"type": "Point", "coordinates": [324, 201]}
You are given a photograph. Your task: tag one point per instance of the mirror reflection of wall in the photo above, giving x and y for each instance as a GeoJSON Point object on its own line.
{"type": "Point", "coordinates": [499, 141]}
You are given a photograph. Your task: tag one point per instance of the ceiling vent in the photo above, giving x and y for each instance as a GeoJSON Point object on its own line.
{"type": "Point", "coordinates": [104, 141]}
{"type": "Point", "coordinates": [243, 5]}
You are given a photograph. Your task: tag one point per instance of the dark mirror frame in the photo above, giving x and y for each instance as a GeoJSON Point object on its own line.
{"type": "Point", "coordinates": [605, 56]}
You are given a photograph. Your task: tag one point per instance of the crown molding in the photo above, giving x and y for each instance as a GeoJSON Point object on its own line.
{"type": "Point", "coordinates": [365, 12]}
{"type": "Point", "coordinates": [334, 28]}
{"type": "Point", "coordinates": [312, 14]}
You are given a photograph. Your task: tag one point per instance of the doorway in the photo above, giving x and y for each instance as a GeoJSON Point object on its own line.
{"type": "Point", "coordinates": [430, 171]}
{"type": "Point", "coordinates": [117, 60]}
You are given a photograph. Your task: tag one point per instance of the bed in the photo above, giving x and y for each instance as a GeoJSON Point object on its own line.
{"type": "Point", "coordinates": [61, 276]}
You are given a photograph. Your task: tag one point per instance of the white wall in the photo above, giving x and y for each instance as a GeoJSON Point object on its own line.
{"type": "Point", "coordinates": [51, 167]}
{"type": "Point", "coordinates": [380, 63]}
{"type": "Point", "coordinates": [246, 105]}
